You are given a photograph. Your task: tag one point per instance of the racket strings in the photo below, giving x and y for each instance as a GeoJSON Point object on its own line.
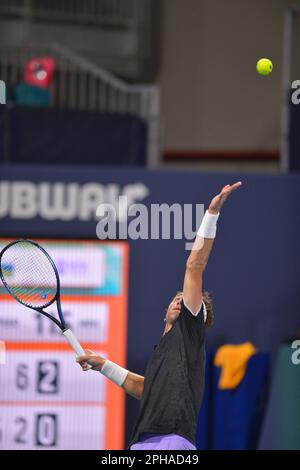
{"type": "Point", "coordinates": [28, 274]}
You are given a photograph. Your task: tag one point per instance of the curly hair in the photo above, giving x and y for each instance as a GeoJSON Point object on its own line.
{"type": "Point", "coordinates": [209, 308]}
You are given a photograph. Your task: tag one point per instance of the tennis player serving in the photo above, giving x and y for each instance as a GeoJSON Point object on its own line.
{"type": "Point", "coordinates": [172, 388]}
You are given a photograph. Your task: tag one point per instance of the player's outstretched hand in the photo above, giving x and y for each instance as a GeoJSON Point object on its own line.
{"type": "Point", "coordinates": [90, 360]}
{"type": "Point", "coordinates": [218, 201]}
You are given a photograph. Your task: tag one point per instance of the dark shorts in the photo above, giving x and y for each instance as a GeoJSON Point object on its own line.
{"type": "Point", "coordinates": [162, 442]}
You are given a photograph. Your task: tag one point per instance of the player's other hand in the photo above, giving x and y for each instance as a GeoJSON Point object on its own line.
{"type": "Point", "coordinates": [90, 360]}
{"type": "Point", "coordinates": [218, 201]}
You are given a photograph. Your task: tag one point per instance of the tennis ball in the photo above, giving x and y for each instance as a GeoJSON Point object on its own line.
{"type": "Point", "coordinates": [264, 66]}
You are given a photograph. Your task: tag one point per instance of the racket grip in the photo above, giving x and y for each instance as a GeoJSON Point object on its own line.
{"type": "Point", "coordinates": [73, 341]}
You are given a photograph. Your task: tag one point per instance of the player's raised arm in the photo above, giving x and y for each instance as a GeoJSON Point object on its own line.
{"type": "Point", "coordinates": [133, 384]}
{"type": "Point", "coordinates": [197, 260]}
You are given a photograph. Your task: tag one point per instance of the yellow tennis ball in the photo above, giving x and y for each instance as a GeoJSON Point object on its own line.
{"type": "Point", "coordinates": [264, 66]}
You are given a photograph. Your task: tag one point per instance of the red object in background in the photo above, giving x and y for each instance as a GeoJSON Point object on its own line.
{"type": "Point", "coordinates": [39, 72]}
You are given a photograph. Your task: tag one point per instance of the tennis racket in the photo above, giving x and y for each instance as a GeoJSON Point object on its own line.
{"type": "Point", "coordinates": [31, 277]}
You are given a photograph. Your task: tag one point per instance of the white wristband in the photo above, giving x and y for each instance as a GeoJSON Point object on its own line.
{"type": "Point", "coordinates": [208, 227]}
{"type": "Point", "coordinates": [114, 372]}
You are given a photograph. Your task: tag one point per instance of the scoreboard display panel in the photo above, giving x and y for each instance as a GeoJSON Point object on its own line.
{"type": "Point", "coordinates": [46, 401]}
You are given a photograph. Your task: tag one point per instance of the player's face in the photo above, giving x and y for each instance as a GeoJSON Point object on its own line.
{"type": "Point", "coordinates": [174, 308]}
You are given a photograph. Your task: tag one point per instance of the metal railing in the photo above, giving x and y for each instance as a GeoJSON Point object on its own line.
{"type": "Point", "coordinates": [104, 12]}
{"type": "Point", "coordinates": [80, 84]}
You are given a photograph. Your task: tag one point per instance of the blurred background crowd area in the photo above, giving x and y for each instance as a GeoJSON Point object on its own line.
{"type": "Point", "coordinates": [187, 70]}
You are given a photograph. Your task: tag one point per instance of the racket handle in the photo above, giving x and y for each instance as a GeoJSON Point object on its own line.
{"type": "Point", "coordinates": [74, 343]}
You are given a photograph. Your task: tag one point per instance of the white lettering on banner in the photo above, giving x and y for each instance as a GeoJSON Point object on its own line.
{"type": "Point", "coordinates": [23, 201]}
{"type": "Point", "coordinates": [4, 198]}
{"type": "Point", "coordinates": [64, 201]}
{"type": "Point", "coordinates": [58, 201]}
{"type": "Point", "coordinates": [91, 194]}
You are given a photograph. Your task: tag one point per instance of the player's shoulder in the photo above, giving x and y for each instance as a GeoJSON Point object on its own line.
{"type": "Point", "coordinates": [199, 315]}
